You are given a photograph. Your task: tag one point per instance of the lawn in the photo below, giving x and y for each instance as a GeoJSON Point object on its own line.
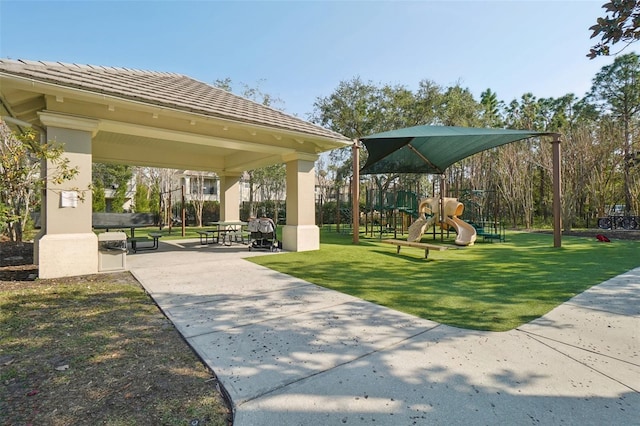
{"type": "Point", "coordinates": [488, 286]}
{"type": "Point", "coordinates": [97, 350]}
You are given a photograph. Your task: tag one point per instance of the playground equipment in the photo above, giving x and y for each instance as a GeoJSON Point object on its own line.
{"type": "Point", "coordinates": [465, 233]}
{"type": "Point", "coordinates": [389, 212]}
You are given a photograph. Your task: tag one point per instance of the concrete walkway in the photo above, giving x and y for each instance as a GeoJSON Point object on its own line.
{"type": "Point", "coordinates": [292, 353]}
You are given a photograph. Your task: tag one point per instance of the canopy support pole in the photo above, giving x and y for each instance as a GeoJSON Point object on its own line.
{"type": "Point", "coordinates": [441, 212]}
{"type": "Point", "coordinates": [355, 192]}
{"type": "Point", "coordinates": [557, 210]}
{"type": "Point", "coordinates": [422, 157]}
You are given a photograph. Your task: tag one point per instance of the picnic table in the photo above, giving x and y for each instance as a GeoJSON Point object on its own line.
{"type": "Point", "coordinates": [228, 232]}
{"type": "Point", "coordinates": [152, 236]}
{"type": "Point", "coordinates": [130, 221]}
{"type": "Point", "coordinates": [131, 228]}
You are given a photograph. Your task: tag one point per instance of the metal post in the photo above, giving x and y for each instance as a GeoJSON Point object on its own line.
{"type": "Point", "coordinates": [184, 215]}
{"type": "Point", "coordinates": [355, 192]}
{"type": "Point", "coordinates": [160, 212]}
{"type": "Point", "coordinates": [338, 203]}
{"type": "Point", "coordinates": [557, 210]}
{"type": "Point", "coordinates": [441, 212]}
{"type": "Point", "coordinates": [170, 212]}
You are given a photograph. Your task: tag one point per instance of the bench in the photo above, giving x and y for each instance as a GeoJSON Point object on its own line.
{"type": "Point", "coordinates": [205, 235]}
{"type": "Point", "coordinates": [154, 237]}
{"type": "Point", "coordinates": [405, 243]}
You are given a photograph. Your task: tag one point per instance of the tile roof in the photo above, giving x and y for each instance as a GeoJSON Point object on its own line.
{"type": "Point", "coordinates": [163, 89]}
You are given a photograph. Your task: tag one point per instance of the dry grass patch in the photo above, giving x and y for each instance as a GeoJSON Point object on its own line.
{"type": "Point", "coordinates": [96, 350]}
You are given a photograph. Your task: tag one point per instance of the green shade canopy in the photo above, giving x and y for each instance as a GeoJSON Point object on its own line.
{"type": "Point", "coordinates": [431, 149]}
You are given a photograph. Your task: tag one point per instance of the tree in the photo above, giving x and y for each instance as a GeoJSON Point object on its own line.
{"type": "Point", "coordinates": [616, 91]}
{"type": "Point", "coordinates": [20, 179]}
{"type": "Point", "coordinates": [154, 198]}
{"type": "Point", "coordinates": [350, 109]}
{"type": "Point", "coordinates": [357, 109]}
{"type": "Point", "coordinates": [253, 93]}
{"type": "Point", "coordinates": [490, 109]}
{"type": "Point", "coordinates": [198, 195]}
{"type": "Point", "coordinates": [271, 182]}
{"type": "Point", "coordinates": [164, 179]}
{"type": "Point", "coordinates": [147, 197]}
{"type": "Point", "coordinates": [141, 201]}
{"type": "Point", "coordinates": [99, 203]}
{"type": "Point", "coordinates": [604, 174]}
{"type": "Point", "coordinates": [115, 177]}
{"type": "Point", "coordinates": [515, 170]}
{"type": "Point", "coordinates": [620, 24]}
{"type": "Point", "coordinates": [458, 108]}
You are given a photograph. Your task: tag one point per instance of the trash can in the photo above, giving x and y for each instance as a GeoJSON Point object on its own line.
{"type": "Point", "coordinates": [112, 251]}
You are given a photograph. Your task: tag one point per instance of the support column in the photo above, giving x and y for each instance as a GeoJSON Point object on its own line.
{"type": "Point", "coordinates": [557, 187]}
{"type": "Point", "coordinates": [230, 198]}
{"type": "Point", "coordinates": [301, 233]}
{"type": "Point", "coordinates": [187, 185]}
{"type": "Point", "coordinates": [66, 244]}
{"type": "Point", "coordinates": [355, 192]}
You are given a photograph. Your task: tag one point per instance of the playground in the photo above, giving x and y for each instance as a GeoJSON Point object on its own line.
{"type": "Point", "coordinates": [430, 150]}
{"type": "Point", "coordinates": [495, 287]}
{"type": "Point", "coordinates": [405, 214]}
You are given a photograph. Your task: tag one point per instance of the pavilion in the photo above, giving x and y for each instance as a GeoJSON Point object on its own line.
{"type": "Point", "coordinates": [156, 119]}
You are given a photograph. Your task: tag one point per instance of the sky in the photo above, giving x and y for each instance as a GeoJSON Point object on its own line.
{"type": "Point", "coordinates": [299, 51]}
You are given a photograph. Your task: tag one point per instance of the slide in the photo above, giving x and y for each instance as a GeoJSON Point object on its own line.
{"type": "Point", "coordinates": [416, 230]}
{"type": "Point", "coordinates": [466, 233]}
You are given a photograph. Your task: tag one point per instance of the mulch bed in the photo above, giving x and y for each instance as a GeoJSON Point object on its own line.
{"type": "Point", "coordinates": [16, 261]}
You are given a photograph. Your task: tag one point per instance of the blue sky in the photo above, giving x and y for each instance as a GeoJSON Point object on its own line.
{"type": "Point", "coordinates": [301, 50]}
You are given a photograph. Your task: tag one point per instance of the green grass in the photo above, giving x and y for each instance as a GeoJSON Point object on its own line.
{"type": "Point", "coordinates": [489, 286]}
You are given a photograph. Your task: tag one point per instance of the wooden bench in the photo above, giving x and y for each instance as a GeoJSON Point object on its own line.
{"type": "Point", "coordinates": [425, 246]}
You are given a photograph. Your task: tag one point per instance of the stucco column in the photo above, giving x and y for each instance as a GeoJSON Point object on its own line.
{"type": "Point", "coordinates": [66, 244]}
{"type": "Point", "coordinates": [230, 198]}
{"type": "Point", "coordinates": [301, 233]}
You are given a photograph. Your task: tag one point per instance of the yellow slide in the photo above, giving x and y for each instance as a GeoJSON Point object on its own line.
{"type": "Point", "coordinates": [417, 228]}
{"type": "Point", "coordinates": [465, 233]}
